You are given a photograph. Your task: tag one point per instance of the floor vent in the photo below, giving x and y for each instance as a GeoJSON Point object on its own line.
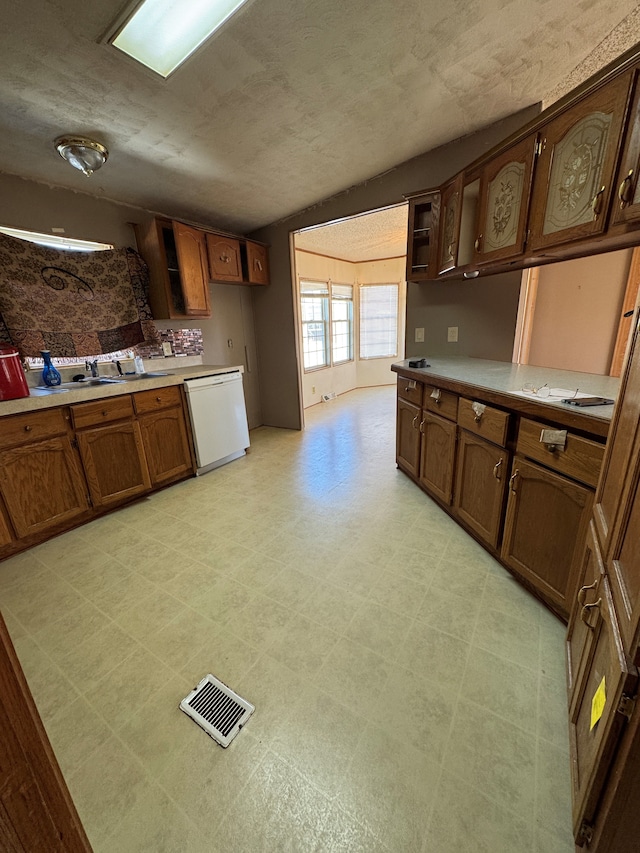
{"type": "Point", "coordinates": [217, 709]}
{"type": "Point", "coordinates": [330, 396]}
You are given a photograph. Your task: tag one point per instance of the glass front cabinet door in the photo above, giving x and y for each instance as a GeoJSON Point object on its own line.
{"type": "Point", "coordinates": [505, 190]}
{"type": "Point", "coordinates": [424, 212]}
{"type": "Point", "coordinates": [626, 203]}
{"type": "Point", "coordinates": [576, 169]}
{"type": "Point", "coordinates": [450, 208]}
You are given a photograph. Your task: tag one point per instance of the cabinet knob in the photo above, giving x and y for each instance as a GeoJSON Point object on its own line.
{"type": "Point", "coordinates": [158, 399]}
{"type": "Point", "coordinates": [624, 190]}
{"type": "Point", "coordinates": [596, 204]}
{"type": "Point", "coordinates": [28, 428]}
{"type": "Point", "coordinates": [104, 413]}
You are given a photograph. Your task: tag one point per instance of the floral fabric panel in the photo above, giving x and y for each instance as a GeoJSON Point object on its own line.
{"type": "Point", "coordinates": [72, 303]}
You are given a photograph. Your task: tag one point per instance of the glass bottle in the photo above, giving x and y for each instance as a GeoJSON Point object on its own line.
{"type": "Point", "coordinates": [50, 376]}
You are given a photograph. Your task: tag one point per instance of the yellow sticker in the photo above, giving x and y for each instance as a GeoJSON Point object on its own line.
{"type": "Point", "coordinates": [597, 703]}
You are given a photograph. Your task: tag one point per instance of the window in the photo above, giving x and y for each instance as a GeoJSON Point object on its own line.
{"type": "Point", "coordinates": [378, 320]}
{"type": "Point", "coordinates": [314, 310]}
{"type": "Point", "coordinates": [341, 323]}
{"type": "Point", "coordinates": [326, 310]}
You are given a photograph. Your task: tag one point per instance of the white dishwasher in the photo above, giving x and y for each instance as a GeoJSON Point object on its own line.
{"type": "Point", "coordinates": [218, 418]}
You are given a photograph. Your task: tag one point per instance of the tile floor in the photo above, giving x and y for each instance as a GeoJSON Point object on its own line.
{"type": "Point", "coordinates": [409, 694]}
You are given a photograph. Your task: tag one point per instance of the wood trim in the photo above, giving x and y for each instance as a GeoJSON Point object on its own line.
{"type": "Point", "coordinates": [526, 312]}
{"type": "Point", "coordinates": [36, 809]}
{"type": "Point", "coordinates": [345, 261]}
{"type": "Point", "coordinates": [625, 326]}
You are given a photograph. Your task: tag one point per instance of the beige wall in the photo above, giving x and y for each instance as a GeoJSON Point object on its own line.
{"type": "Point", "coordinates": [38, 207]}
{"type": "Point", "coordinates": [274, 306]}
{"type": "Point", "coordinates": [357, 373]}
{"type": "Point", "coordinates": [577, 312]}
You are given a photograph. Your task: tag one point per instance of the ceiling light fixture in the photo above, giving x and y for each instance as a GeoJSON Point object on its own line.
{"type": "Point", "coordinates": [161, 34]}
{"type": "Point", "coordinates": [83, 154]}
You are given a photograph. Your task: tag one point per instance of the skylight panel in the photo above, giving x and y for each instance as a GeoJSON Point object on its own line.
{"type": "Point", "coordinates": [161, 34]}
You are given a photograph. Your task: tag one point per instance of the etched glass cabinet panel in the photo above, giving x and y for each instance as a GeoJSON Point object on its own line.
{"type": "Point", "coordinates": [449, 225]}
{"type": "Point", "coordinates": [504, 203]}
{"type": "Point", "coordinates": [574, 180]}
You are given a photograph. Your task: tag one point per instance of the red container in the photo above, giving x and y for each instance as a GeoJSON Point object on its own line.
{"type": "Point", "coordinates": [13, 382]}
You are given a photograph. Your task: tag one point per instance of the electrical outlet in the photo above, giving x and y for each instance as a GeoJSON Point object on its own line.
{"type": "Point", "coordinates": [452, 334]}
{"type": "Point", "coordinates": [419, 336]}
{"type": "Point", "coordinates": [166, 348]}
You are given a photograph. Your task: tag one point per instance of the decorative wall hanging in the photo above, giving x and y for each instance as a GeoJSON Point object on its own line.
{"type": "Point", "coordinates": [72, 303]}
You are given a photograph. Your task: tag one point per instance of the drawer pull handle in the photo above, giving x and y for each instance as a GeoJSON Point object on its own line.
{"type": "Point", "coordinates": [582, 593]}
{"type": "Point", "coordinates": [478, 418]}
{"type": "Point", "coordinates": [421, 428]}
{"type": "Point", "coordinates": [496, 468]}
{"type": "Point", "coordinates": [476, 245]}
{"type": "Point", "coordinates": [28, 428]}
{"type": "Point", "coordinates": [585, 613]}
{"type": "Point", "coordinates": [158, 399]}
{"type": "Point", "coordinates": [513, 479]}
{"type": "Point", "coordinates": [104, 413]}
{"type": "Point", "coordinates": [225, 259]}
{"type": "Point", "coordinates": [415, 421]}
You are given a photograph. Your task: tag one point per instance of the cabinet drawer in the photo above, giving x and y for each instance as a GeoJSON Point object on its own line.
{"type": "Point", "coordinates": [20, 429]}
{"type": "Point", "coordinates": [443, 402]}
{"type": "Point", "coordinates": [101, 411]}
{"type": "Point", "coordinates": [410, 390]}
{"type": "Point", "coordinates": [488, 422]}
{"type": "Point", "coordinates": [581, 458]}
{"type": "Point", "coordinates": [161, 398]}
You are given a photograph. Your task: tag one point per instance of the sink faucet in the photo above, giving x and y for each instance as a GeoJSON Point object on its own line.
{"type": "Point", "coordinates": [92, 366]}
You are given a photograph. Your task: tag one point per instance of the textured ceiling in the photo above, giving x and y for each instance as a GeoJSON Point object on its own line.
{"type": "Point", "coordinates": [368, 237]}
{"type": "Point", "coordinates": [288, 104]}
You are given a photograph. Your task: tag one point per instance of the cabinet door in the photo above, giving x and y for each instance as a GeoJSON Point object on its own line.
{"type": "Point", "coordinates": [5, 531]}
{"type": "Point", "coordinates": [626, 204]}
{"type": "Point", "coordinates": [624, 435]}
{"type": "Point", "coordinates": [481, 478]}
{"type": "Point", "coordinates": [623, 565]}
{"type": "Point", "coordinates": [422, 231]}
{"type": "Point", "coordinates": [450, 208]}
{"type": "Point", "coordinates": [593, 733]}
{"type": "Point", "coordinates": [192, 262]}
{"type": "Point", "coordinates": [42, 485]}
{"type": "Point", "coordinates": [224, 258]}
{"type": "Point", "coordinates": [166, 446]}
{"type": "Point", "coordinates": [408, 437]}
{"type": "Point", "coordinates": [579, 634]}
{"type": "Point", "coordinates": [257, 263]}
{"type": "Point", "coordinates": [114, 462]}
{"type": "Point", "coordinates": [575, 172]}
{"type": "Point", "coordinates": [545, 528]}
{"type": "Point", "coordinates": [437, 455]}
{"type": "Point", "coordinates": [505, 190]}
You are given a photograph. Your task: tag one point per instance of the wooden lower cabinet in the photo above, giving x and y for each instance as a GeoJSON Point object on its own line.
{"type": "Point", "coordinates": [114, 462]}
{"type": "Point", "coordinates": [594, 736]}
{"type": "Point", "coordinates": [437, 455]}
{"type": "Point", "coordinates": [166, 446]}
{"type": "Point", "coordinates": [6, 537]}
{"type": "Point", "coordinates": [481, 478]}
{"type": "Point", "coordinates": [408, 437]}
{"type": "Point", "coordinates": [42, 485]}
{"type": "Point", "coordinates": [545, 528]}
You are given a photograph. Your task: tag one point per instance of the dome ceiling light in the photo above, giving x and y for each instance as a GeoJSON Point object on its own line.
{"type": "Point", "coordinates": [83, 154]}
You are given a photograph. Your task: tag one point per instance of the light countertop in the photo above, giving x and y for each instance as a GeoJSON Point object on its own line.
{"type": "Point", "coordinates": [501, 379]}
{"type": "Point", "coordinates": [175, 376]}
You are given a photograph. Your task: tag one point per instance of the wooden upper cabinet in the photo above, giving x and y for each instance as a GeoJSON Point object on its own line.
{"type": "Point", "coordinates": [193, 267]}
{"type": "Point", "coordinates": [178, 269]}
{"type": "Point", "coordinates": [257, 263]}
{"type": "Point", "coordinates": [449, 231]}
{"type": "Point", "coordinates": [422, 237]}
{"type": "Point", "coordinates": [225, 263]}
{"type": "Point", "coordinates": [575, 172]}
{"type": "Point", "coordinates": [626, 203]}
{"type": "Point", "coordinates": [505, 191]}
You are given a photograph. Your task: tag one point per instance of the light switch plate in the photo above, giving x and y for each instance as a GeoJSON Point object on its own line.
{"type": "Point", "coordinates": [419, 336]}
{"type": "Point", "coordinates": [452, 334]}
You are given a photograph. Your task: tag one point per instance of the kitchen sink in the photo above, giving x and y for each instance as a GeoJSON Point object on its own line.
{"type": "Point", "coordinates": [131, 377]}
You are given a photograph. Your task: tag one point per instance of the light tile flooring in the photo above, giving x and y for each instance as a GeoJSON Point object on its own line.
{"type": "Point", "coordinates": [409, 694]}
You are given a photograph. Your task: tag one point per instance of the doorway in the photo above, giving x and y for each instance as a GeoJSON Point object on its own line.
{"type": "Point", "coordinates": [350, 296]}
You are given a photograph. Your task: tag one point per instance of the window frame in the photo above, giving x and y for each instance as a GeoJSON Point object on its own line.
{"type": "Point", "coordinates": [362, 325]}
{"type": "Point", "coordinates": [327, 321]}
